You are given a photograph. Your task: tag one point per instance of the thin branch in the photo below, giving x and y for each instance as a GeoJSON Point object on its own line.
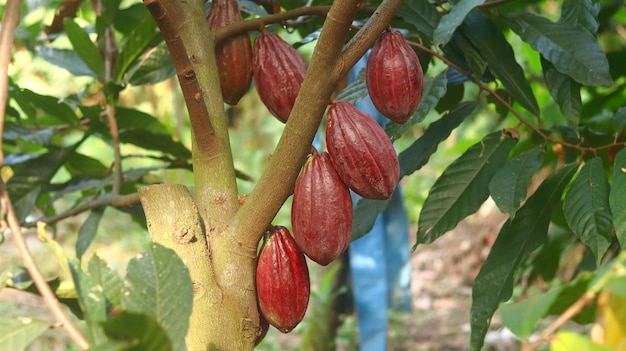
{"type": "Point", "coordinates": [509, 107]}
{"type": "Point", "coordinates": [7, 31]}
{"type": "Point", "coordinates": [40, 282]}
{"type": "Point", "coordinates": [108, 200]}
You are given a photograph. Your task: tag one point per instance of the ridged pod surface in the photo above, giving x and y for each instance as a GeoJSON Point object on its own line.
{"type": "Point", "coordinates": [361, 152]}
{"type": "Point", "coordinates": [394, 77]}
{"type": "Point", "coordinates": [321, 213]}
{"type": "Point", "coordinates": [234, 55]}
{"type": "Point", "coordinates": [278, 71]}
{"type": "Point", "coordinates": [282, 281]}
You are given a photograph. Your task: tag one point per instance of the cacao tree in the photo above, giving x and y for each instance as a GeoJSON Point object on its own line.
{"type": "Point", "coordinates": [531, 93]}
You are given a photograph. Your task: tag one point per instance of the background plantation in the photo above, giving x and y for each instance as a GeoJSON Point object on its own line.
{"type": "Point", "coordinates": [513, 170]}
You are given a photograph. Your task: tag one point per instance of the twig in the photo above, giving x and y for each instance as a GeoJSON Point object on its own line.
{"type": "Point", "coordinates": [7, 32]}
{"type": "Point", "coordinates": [509, 107]}
{"type": "Point", "coordinates": [108, 200]}
{"type": "Point", "coordinates": [40, 282]}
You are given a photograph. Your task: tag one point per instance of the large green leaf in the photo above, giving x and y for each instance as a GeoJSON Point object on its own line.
{"type": "Point", "coordinates": [32, 176]}
{"type": "Point", "coordinates": [521, 317]}
{"type": "Point", "coordinates": [107, 278]}
{"type": "Point", "coordinates": [15, 132]}
{"type": "Point", "coordinates": [463, 186]}
{"type": "Point", "coordinates": [67, 59]}
{"type": "Point", "coordinates": [36, 105]}
{"type": "Point", "coordinates": [85, 48]}
{"type": "Point", "coordinates": [572, 50]}
{"type": "Point", "coordinates": [586, 208]}
{"type": "Point", "coordinates": [128, 118]}
{"type": "Point", "coordinates": [517, 238]}
{"type": "Point", "coordinates": [581, 13]}
{"type": "Point", "coordinates": [93, 303]}
{"type": "Point", "coordinates": [509, 185]}
{"type": "Point", "coordinates": [492, 45]}
{"type": "Point", "coordinates": [136, 332]}
{"type": "Point", "coordinates": [421, 14]}
{"type": "Point", "coordinates": [150, 140]}
{"type": "Point", "coordinates": [88, 231]}
{"type": "Point", "coordinates": [617, 197]}
{"type": "Point", "coordinates": [434, 89]}
{"type": "Point", "coordinates": [356, 90]}
{"type": "Point", "coordinates": [136, 43]}
{"type": "Point", "coordinates": [17, 334]}
{"type": "Point", "coordinates": [411, 159]}
{"type": "Point", "coordinates": [450, 22]}
{"type": "Point", "coordinates": [564, 90]}
{"type": "Point", "coordinates": [158, 284]}
{"type": "Point", "coordinates": [154, 67]}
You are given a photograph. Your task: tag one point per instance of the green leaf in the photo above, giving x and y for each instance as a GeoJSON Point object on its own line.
{"type": "Point", "coordinates": [128, 118]}
{"type": "Point", "coordinates": [509, 185]}
{"type": "Point", "coordinates": [85, 48]}
{"type": "Point", "coordinates": [150, 140]}
{"type": "Point", "coordinates": [581, 13]}
{"type": "Point", "coordinates": [107, 278]}
{"type": "Point", "coordinates": [136, 43]}
{"type": "Point", "coordinates": [422, 15]}
{"type": "Point", "coordinates": [619, 118]}
{"type": "Point", "coordinates": [521, 317]}
{"type": "Point", "coordinates": [434, 89]}
{"type": "Point", "coordinates": [411, 159]}
{"type": "Point", "coordinates": [154, 67]}
{"type": "Point", "coordinates": [93, 303]}
{"type": "Point", "coordinates": [17, 132]}
{"type": "Point", "coordinates": [17, 334]}
{"type": "Point", "coordinates": [138, 332]}
{"type": "Point", "coordinates": [31, 176]}
{"type": "Point", "coordinates": [492, 45]}
{"type": "Point", "coordinates": [450, 22]}
{"type": "Point", "coordinates": [568, 340]}
{"type": "Point", "coordinates": [586, 208]}
{"type": "Point", "coordinates": [158, 284]}
{"type": "Point", "coordinates": [617, 197]}
{"type": "Point", "coordinates": [570, 293]}
{"type": "Point", "coordinates": [517, 238]}
{"type": "Point", "coordinates": [85, 166]}
{"type": "Point", "coordinates": [564, 90]}
{"type": "Point", "coordinates": [35, 105]}
{"type": "Point", "coordinates": [88, 231]}
{"type": "Point", "coordinates": [67, 59]}
{"type": "Point", "coordinates": [572, 50]}
{"type": "Point", "coordinates": [462, 187]}
{"type": "Point", "coordinates": [355, 91]}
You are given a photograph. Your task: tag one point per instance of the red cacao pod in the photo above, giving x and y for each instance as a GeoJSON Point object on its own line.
{"type": "Point", "coordinates": [234, 54]}
{"type": "Point", "coordinates": [361, 152]}
{"type": "Point", "coordinates": [321, 213]}
{"type": "Point", "coordinates": [394, 77]}
{"type": "Point", "coordinates": [278, 71]}
{"type": "Point", "coordinates": [282, 281]}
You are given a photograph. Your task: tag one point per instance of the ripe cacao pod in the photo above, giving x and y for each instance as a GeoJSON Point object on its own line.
{"type": "Point", "coordinates": [394, 77]}
{"type": "Point", "coordinates": [278, 71]}
{"type": "Point", "coordinates": [321, 213]}
{"type": "Point", "coordinates": [282, 280]}
{"type": "Point", "coordinates": [361, 152]}
{"type": "Point", "coordinates": [234, 55]}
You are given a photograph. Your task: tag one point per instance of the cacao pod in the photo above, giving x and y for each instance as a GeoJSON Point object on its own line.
{"type": "Point", "coordinates": [321, 213]}
{"type": "Point", "coordinates": [282, 281]}
{"type": "Point", "coordinates": [361, 152]}
{"type": "Point", "coordinates": [394, 77]}
{"type": "Point", "coordinates": [278, 71]}
{"type": "Point", "coordinates": [234, 54]}
{"type": "Point", "coordinates": [265, 326]}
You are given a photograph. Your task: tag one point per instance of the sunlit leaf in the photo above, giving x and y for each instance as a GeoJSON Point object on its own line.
{"type": "Point", "coordinates": [518, 237]}
{"type": "Point", "coordinates": [463, 186]}
{"type": "Point", "coordinates": [521, 317]}
{"type": "Point", "coordinates": [587, 210]}
{"type": "Point", "coordinates": [568, 340]}
{"type": "Point", "coordinates": [158, 284]}
{"type": "Point", "coordinates": [84, 47]}
{"type": "Point", "coordinates": [492, 45]}
{"type": "Point", "coordinates": [617, 197]}
{"type": "Point", "coordinates": [93, 303]}
{"type": "Point", "coordinates": [509, 185]}
{"type": "Point", "coordinates": [16, 334]}
{"type": "Point", "coordinates": [612, 318]}
{"type": "Point", "coordinates": [572, 50]}
{"type": "Point", "coordinates": [453, 19]}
